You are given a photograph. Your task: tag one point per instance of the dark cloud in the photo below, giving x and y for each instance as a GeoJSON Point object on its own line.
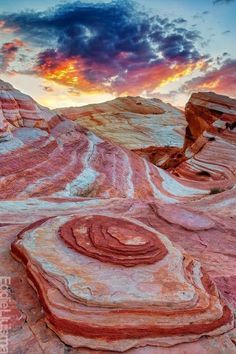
{"type": "Point", "coordinates": [107, 39]}
{"type": "Point", "coordinates": [222, 1]}
{"type": "Point", "coordinates": [180, 20]}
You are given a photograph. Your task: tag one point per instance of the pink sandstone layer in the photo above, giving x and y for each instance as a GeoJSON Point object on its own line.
{"type": "Point", "coordinates": [107, 238]}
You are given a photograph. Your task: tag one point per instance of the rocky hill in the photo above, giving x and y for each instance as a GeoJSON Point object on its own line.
{"type": "Point", "coordinates": [153, 129]}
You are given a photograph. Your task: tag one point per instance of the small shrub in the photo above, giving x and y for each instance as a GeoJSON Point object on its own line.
{"type": "Point", "coordinates": [211, 138]}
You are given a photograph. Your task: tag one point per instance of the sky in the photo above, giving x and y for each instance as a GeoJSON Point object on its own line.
{"type": "Point", "coordinates": [72, 53]}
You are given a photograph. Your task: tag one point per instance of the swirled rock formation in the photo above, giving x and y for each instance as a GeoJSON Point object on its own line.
{"type": "Point", "coordinates": [113, 240]}
{"type": "Point", "coordinates": [199, 228]}
{"type": "Point", "coordinates": [99, 231]}
{"type": "Point", "coordinates": [119, 284]}
{"type": "Point", "coordinates": [55, 156]}
{"type": "Point", "coordinates": [71, 162]}
{"type": "Point", "coordinates": [210, 144]}
{"type": "Point", "coordinates": [151, 128]}
{"type": "Point", "coordinates": [20, 110]}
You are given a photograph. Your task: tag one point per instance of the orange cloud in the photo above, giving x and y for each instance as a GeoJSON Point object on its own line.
{"type": "Point", "coordinates": [182, 70]}
{"type": "Point", "coordinates": [69, 72]}
{"type": "Point", "coordinates": [114, 47]}
{"type": "Point", "coordinates": [221, 80]}
{"type": "Point", "coordinates": [96, 78]}
{"type": "Point", "coordinates": [155, 77]}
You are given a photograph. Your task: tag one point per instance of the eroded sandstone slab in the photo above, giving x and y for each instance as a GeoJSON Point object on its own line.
{"type": "Point", "coordinates": [100, 204]}
{"type": "Point", "coordinates": [210, 143]}
{"type": "Point", "coordinates": [135, 289]}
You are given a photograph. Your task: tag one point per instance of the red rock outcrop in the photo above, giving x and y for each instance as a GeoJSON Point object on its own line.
{"type": "Point", "coordinates": [149, 127]}
{"type": "Point", "coordinates": [121, 293]}
{"type": "Point", "coordinates": [71, 161]}
{"type": "Point", "coordinates": [207, 111]}
{"type": "Point", "coordinates": [19, 110]}
{"type": "Point", "coordinates": [203, 234]}
{"type": "Point", "coordinates": [113, 240]}
{"type": "Point", "coordinates": [99, 230]}
{"type": "Point", "coordinates": [210, 155]}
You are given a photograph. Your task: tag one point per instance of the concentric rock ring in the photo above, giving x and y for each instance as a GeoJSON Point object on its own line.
{"type": "Point", "coordinates": [91, 300]}
{"type": "Point", "coordinates": [111, 240]}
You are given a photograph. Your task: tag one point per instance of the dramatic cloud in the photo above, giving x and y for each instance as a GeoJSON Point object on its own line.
{"type": "Point", "coordinates": [111, 47]}
{"type": "Point", "coordinates": [8, 53]}
{"type": "Point", "coordinates": [221, 80]}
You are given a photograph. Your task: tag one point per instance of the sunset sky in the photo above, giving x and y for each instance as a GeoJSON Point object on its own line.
{"type": "Point", "coordinates": [70, 53]}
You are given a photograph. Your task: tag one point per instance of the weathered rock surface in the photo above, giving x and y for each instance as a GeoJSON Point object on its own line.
{"type": "Point", "coordinates": [201, 234]}
{"type": "Point", "coordinates": [210, 155]}
{"type": "Point", "coordinates": [71, 161]}
{"type": "Point", "coordinates": [20, 110]}
{"type": "Point", "coordinates": [153, 129]}
{"type": "Point", "coordinates": [211, 112]}
{"type": "Point", "coordinates": [100, 230]}
{"type": "Point", "coordinates": [119, 285]}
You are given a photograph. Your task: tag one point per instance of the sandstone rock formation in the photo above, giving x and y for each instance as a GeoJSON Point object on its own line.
{"type": "Point", "coordinates": [19, 110]}
{"type": "Point", "coordinates": [210, 155]}
{"type": "Point", "coordinates": [124, 255]}
{"type": "Point", "coordinates": [202, 235]}
{"type": "Point", "coordinates": [119, 285]}
{"type": "Point", "coordinates": [211, 112]}
{"type": "Point", "coordinates": [151, 128]}
{"type": "Point", "coordinates": [68, 160]}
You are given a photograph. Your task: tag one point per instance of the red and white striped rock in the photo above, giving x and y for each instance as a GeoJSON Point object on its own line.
{"type": "Point", "coordinates": [20, 110]}
{"type": "Point", "coordinates": [112, 283]}
{"type": "Point", "coordinates": [210, 156]}
{"type": "Point", "coordinates": [70, 161]}
{"type": "Point", "coordinates": [151, 128]}
{"type": "Point", "coordinates": [202, 235]}
{"type": "Point", "coordinates": [33, 335]}
{"type": "Point", "coordinates": [67, 173]}
{"type": "Point", "coordinates": [211, 112]}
